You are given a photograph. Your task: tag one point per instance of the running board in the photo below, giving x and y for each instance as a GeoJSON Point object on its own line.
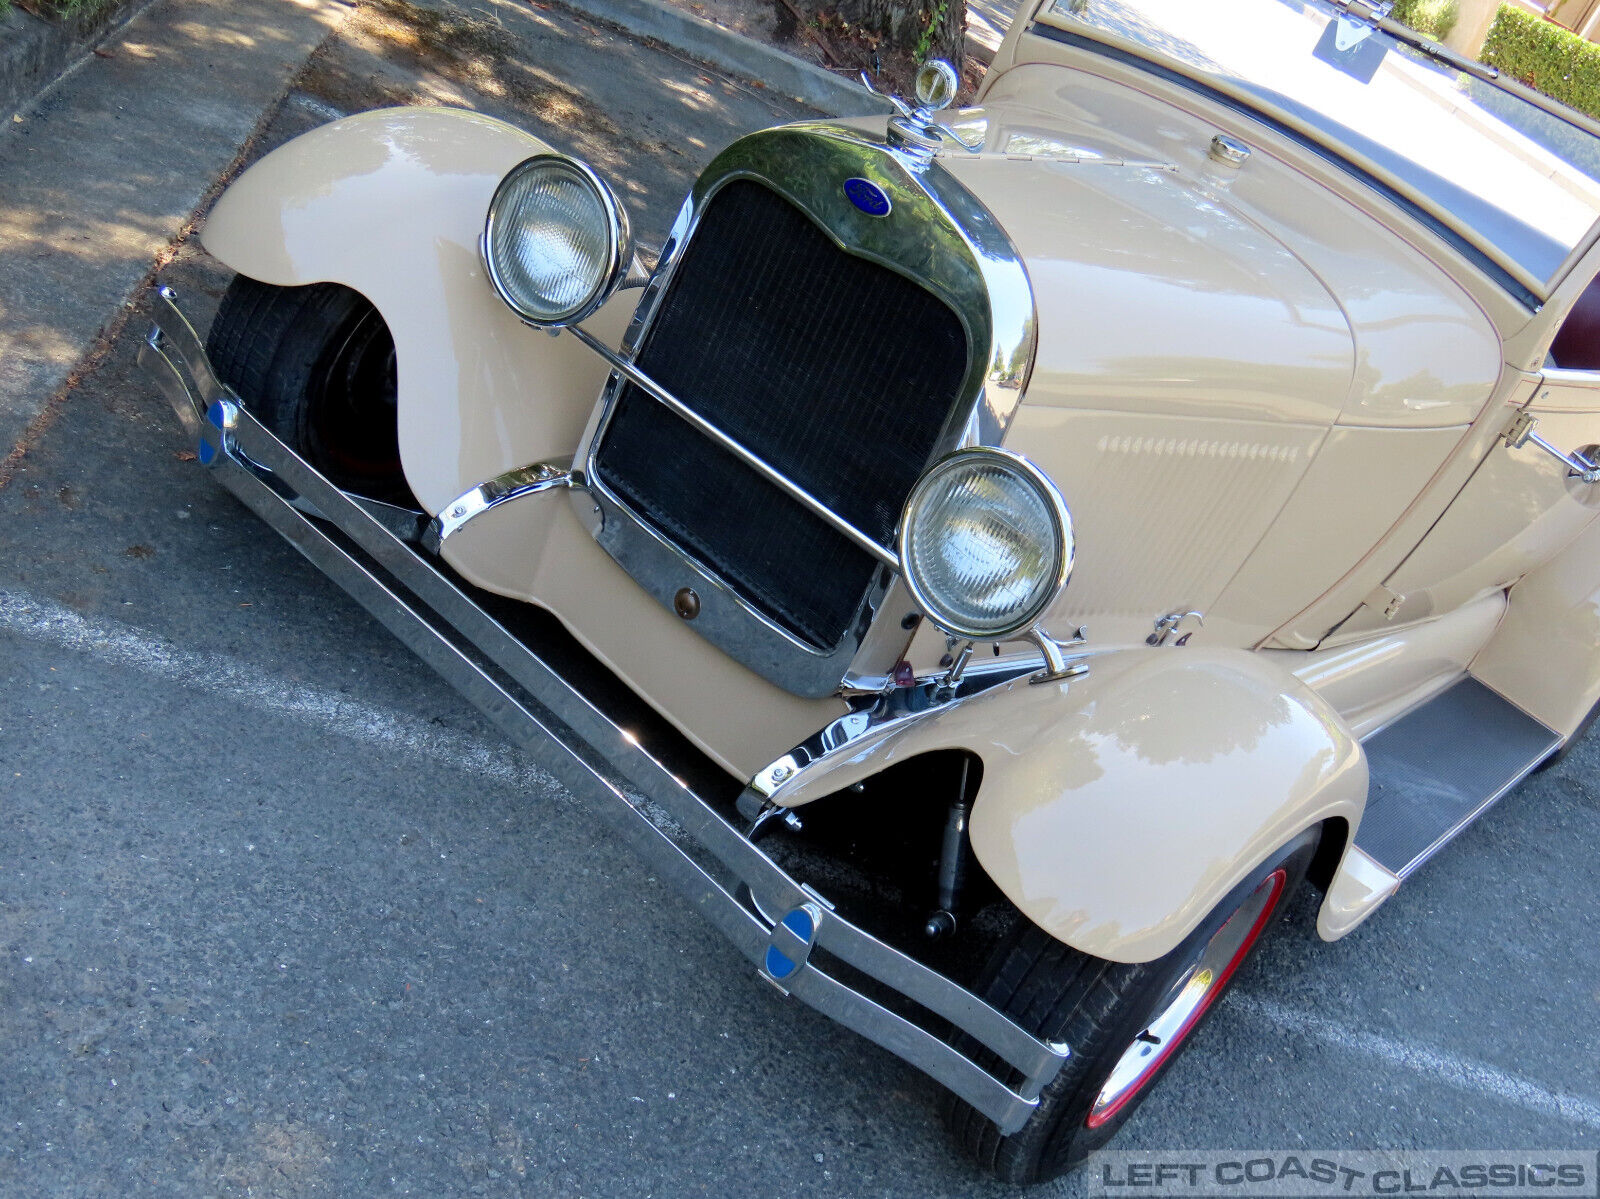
{"type": "Point", "coordinates": [1441, 766]}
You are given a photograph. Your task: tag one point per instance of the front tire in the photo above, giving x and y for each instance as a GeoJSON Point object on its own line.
{"type": "Point", "coordinates": [316, 365]}
{"type": "Point", "coordinates": [1125, 1023]}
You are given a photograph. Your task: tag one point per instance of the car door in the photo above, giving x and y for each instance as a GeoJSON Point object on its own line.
{"type": "Point", "coordinates": [1522, 505]}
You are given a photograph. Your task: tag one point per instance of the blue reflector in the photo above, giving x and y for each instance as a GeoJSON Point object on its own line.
{"type": "Point", "coordinates": [777, 965]}
{"type": "Point", "coordinates": [799, 923]}
{"type": "Point", "coordinates": [205, 451]}
{"type": "Point", "coordinates": [214, 413]}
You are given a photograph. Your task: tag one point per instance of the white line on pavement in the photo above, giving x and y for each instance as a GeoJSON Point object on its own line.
{"type": "Point", "coordinates": [121, 645]}
{"type": "Point", "coordinates": [1459, 1072]}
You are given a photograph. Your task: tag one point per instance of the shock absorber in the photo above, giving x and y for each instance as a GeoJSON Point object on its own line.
{"type": "Point", "coordinates": [952, 863]}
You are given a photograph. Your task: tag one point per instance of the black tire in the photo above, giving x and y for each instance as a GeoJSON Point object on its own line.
{"type": "Point", "coordinates": [316, 365]}
{"type": "Point", "coordinates": [1099, 1008]}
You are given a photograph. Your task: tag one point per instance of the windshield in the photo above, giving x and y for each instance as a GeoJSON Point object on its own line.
{"type": "Point", "coordinates": [1514, 180]}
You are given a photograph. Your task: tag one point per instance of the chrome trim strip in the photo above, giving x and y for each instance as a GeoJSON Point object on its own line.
{"type": "Point", "coordinates": [844, 736]}
{"type": "Point", "coordinates": [754, 461]}
{"type": "Point", "coordinates": [173, 329]}
{"type": "Point", "coordinates": [937, 234]}
{"type": "Point", "coordinates": [550, 716]}
{"type": "Point", "coordinates": [408, 524]}
{"type": "Point", "coordinates": [502, 489]}
{"type": "Point", "coordinates": [1562, 376]}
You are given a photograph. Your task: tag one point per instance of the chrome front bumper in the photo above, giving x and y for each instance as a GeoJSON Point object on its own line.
{"type": "Point", "coordinates": [368, 553]}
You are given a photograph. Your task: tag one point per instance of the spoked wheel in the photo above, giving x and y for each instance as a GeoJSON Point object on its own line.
{"type": "Point", "coordinates": [1125, 1023]}
{"type": "Point", "coordinates": [317, 366]}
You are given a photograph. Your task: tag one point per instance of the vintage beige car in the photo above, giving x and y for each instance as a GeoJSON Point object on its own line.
{"type": "Point", "coordinates": [987, 558]}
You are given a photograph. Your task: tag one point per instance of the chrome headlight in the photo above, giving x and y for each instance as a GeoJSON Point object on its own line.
{"type": "Point", "coordinates": [985, 543]}
{"type": "Point", "coordinates": [556, 242]}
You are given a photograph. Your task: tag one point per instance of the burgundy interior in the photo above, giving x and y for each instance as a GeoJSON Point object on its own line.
{"type": "Point", "coordinates": [1577, 346]}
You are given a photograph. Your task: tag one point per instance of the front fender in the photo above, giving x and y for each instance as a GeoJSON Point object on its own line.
{"type": "Point", "coordinates": [391, 203]}
{"type": "Point", "coordinates": [1118, 809]}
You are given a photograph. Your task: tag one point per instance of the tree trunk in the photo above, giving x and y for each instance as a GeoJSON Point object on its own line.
{"type": "Point", "coordinates": [937, 27]}
{"type": "Point", "coordinates": [784, 25]}
{"type": "Point", "coordinates": [1472, 26]}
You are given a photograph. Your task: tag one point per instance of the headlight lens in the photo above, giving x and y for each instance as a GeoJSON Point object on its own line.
{"type": "Point", "coordinates": [985, 543]}
{"type": "Point", "coordinates": [556, 240]}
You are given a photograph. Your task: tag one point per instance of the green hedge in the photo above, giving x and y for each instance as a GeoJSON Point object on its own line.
{"type": "Point", "coordinates": [1546, 57]}
{"type": "Point", "coordinates": [1430, 18]}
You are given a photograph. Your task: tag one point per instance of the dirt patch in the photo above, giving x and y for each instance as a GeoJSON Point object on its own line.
{"type": "Point", "coordinates": [441, 44]}
{"type": "Point", "coordinates": [438, 33]}
{"type": "Point", "coordinates": [828, 38]}
{"type": "Point", "coordinates": [820, 33]}
{"type": "Point", "coordinates": [81, 17]}
{"type": "Point", "coordinates": [347, 93]}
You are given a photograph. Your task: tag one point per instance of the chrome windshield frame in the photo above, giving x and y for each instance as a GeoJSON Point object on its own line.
{"type": "Point", "coordinates": [1363, 10]}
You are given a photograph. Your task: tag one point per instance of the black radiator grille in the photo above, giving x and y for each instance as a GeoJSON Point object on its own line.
{"type": "Point", "coordinates": [837, 371]}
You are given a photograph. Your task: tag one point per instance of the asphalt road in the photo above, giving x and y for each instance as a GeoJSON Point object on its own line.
{"type": "Point", "coordinates": [278, 915]}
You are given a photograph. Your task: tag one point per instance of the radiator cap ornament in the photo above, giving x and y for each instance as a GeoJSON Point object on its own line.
{"type": "Point", "coordinates": [913, 131]}
{"type": "Point", "coordinates": [936, 85]}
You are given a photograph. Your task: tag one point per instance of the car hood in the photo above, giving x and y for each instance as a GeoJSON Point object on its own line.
{"type": "Point", "coordinates": [1152, 294]}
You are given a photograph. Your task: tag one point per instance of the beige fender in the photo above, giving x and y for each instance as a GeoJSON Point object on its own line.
{"type": "Point", "coordinates": [391, 203]}
{"type": "Point", "coordinates": [1118, 809]}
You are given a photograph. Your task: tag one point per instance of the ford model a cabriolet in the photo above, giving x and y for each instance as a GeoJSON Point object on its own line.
{"type": "Point", "coordinates": [1274, 334]}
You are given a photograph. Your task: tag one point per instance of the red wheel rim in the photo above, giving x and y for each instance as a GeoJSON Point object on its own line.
{"type": "Point", "coordinates": [1206, 977]}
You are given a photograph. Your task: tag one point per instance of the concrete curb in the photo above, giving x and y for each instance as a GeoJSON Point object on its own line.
{"type": "Point", "coordinates": [100, 178]}
{"type": "Point", "coordinates": [33, 52]}
{"type": "Point", "coordinates": [733, 53]}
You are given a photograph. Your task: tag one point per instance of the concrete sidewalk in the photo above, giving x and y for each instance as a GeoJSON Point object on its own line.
{"type": "Point", "coordinates": [103, 174]}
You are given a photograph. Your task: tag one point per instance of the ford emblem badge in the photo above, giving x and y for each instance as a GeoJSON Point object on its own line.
{"type": "Point", "coordinates": [867, 196]}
